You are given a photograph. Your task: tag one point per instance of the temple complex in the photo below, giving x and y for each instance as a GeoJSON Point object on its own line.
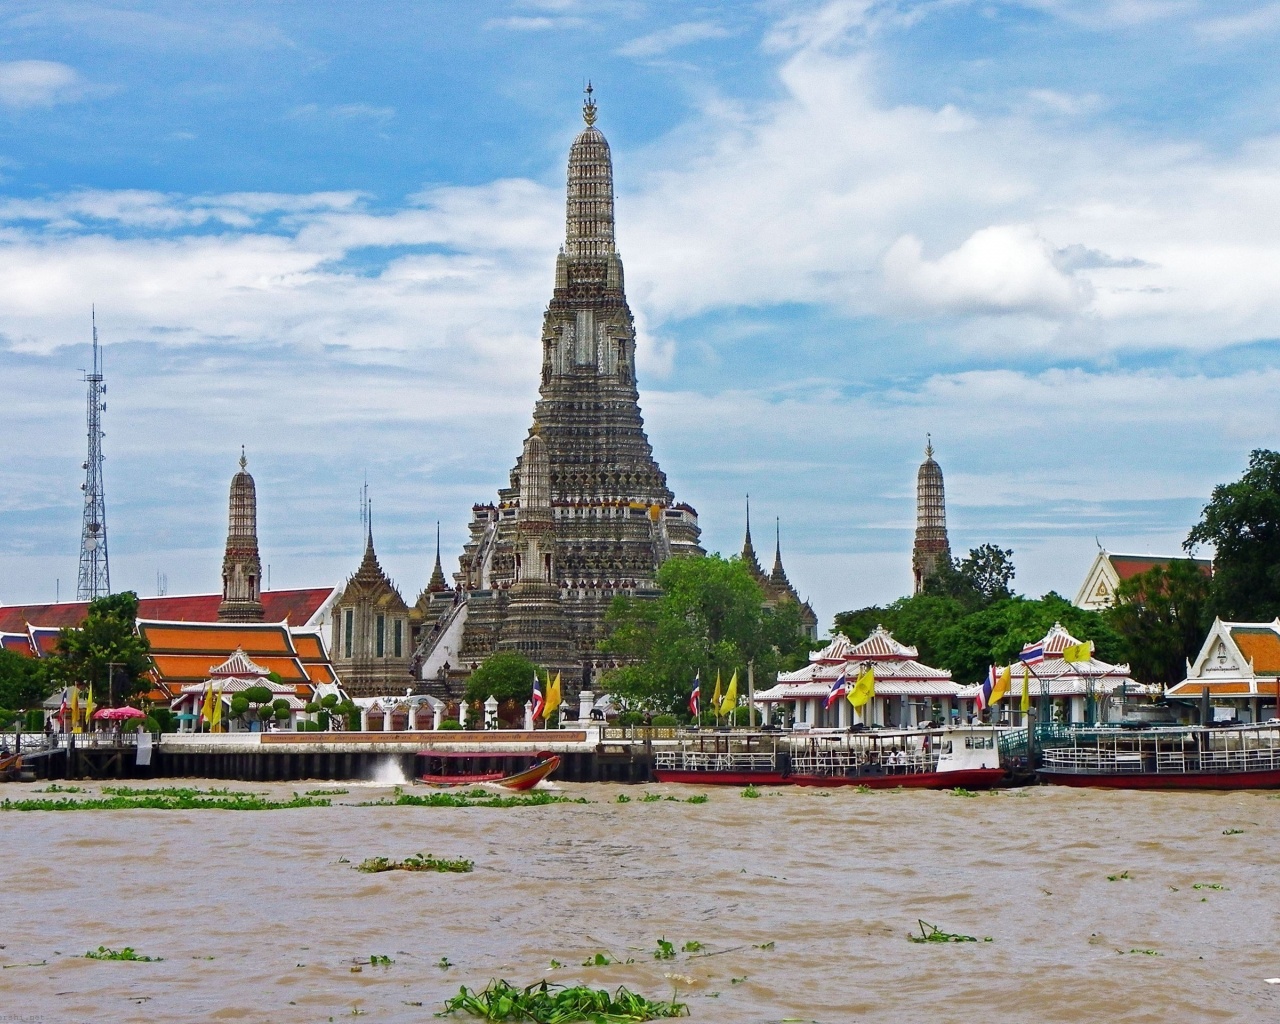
{"type": "Point", "coordinates": [932, 548]}
{"type": "Point", "coordinates": [587, 515]}
{"type": "Point", "coordinates": [241, 566]}
{"type": "Point", "coordinates": [777, 588]}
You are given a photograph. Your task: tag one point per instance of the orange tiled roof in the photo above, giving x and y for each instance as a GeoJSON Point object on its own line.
{"type": "Point", "coordinates": [186, 668]}
{"type": "Point", "coordinates": [320, 672]}
{"type": "Point", "coordinates": [1191, 688]}
{"type": "Point", "coordinates": [1260, 644]}
{"type": "Point", "coordinates": [308, 646]}
{"type": "Point", "coordinates": [217, 637]}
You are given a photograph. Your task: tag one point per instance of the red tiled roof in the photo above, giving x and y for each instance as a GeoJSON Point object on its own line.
{"type": "Point", "coordinates": [18, 643]}
{"type": "Point", "coordinates": [295, 606]}
{"type": "Point", "coordinates": [1128, 566]}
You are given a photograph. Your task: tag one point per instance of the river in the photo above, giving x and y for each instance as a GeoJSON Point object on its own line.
{"type": "Point", "coordinates": [803, 899]}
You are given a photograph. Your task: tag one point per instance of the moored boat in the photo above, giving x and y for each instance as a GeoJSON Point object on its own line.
{"type": "Point", "coordinates": [966, 756]}
{"type": "Point", "coordinates": [961, 757]}
{"type": "Point", "coordinates": [1191, 757]}
{"type": "Point", "coordinates": [450, 769]}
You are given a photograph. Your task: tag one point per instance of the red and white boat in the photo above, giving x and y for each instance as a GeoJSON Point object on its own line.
{"type": "Point", "coordinates": [965, 756]}
{"type": "Point", "coordinates": [447, 769]}
{"type": "Point", "coordinates": [1189, 757]}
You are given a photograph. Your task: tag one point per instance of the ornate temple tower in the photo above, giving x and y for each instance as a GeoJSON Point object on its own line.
{"type": "Point", "coordinates": [604, 520]}
{"type": "Point", "coordinates": [241, 566]}
{"type": "Point", "coordinates": [931, 548]}
{"type": "Point", "coordinates": [777, 588]}
{"type": "Point", "coordinates": [371, 623]}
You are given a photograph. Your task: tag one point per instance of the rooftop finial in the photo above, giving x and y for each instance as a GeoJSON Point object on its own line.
{"type": "Point", "coordinates": [243, 461]}
{"type": "Point", "coordinates": [928, 446]}
{"type": "Point", "coordinates": [589, 106]}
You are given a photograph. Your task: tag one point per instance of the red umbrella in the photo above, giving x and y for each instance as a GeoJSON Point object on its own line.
{"type": "Point", "coordinates": [118, 714]}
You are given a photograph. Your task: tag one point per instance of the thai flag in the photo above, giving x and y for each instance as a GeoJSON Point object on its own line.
{"type": "Point", "coordinates": [539, 702]}
{"type": "Point", "coordinates": [983, 697]}
{"type": "Point", "coordinates": [1032, 654]}
{"type": "Point", "coordinates": [695, 705]}
{"type": "Point", "coordinates": [839, 688]}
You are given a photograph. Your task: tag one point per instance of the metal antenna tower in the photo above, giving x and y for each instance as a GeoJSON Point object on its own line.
{"type": "Point", "coordinates": [95, 573]}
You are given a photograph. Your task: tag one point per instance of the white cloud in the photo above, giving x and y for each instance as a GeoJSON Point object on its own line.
{"type": "Point", "coordinates": [38, 83]}
{"type": "Point", "coordinates": [345, 112]}
{"type": "Point", "coordinates": [655, 44]}
{"type": "Point", "coordinates": [539, 23]}
{"type": "Point", "coordinates": [1002, 269]}
{"type": "Point", "coordinates": [1262, 21]}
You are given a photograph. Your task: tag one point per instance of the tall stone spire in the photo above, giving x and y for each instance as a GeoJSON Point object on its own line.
{"type": "Point", "coordinates": [748, 549]}
{"type": "Point", "coordinates": [595, 502]}
{"type": "Point", "coordinates": [779, 574]}
{"type": "Point", "coordinates": [241, 566]}
{"type": "Point", "coordinates": [932, 549]}
{"type": "Point", "coordinates": [437, 584]}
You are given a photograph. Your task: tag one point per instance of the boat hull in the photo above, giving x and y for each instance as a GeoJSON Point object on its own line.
{"type": "Point", "coordinates": [1264, 779]}
{"type": "Point", "coordinates": [519, 781]}
{"type": "Point", "coordinates": [966, 778]}
{"type": "Point", "coordinates": [744, 778]}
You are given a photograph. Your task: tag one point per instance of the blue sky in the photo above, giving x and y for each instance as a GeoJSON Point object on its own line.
{"type": "Point", "coordinates": [1046, 231]}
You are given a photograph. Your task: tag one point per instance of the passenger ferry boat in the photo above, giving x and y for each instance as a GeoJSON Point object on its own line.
{"type": "Point", "coordinates": [1199, 757]}
{"type": "Point", "coordinates": [966, 756]}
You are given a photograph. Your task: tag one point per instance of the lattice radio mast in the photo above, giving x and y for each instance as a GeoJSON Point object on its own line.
{"type": "Point", "coordinates": [95, 573]}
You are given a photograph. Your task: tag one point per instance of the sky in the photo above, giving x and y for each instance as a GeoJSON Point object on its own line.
{"type": "Point", "coordinates": [1046, 232]}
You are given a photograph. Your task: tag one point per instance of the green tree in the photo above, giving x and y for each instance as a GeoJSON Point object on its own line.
{"type": "Point", "coordinates": [710, 617]}
{"type": "Point", "coordinates": [107, 637]}
{"type": "Point", "coordinates": [979, 579]}
{"type": "Point", "coordinates": [506, 675]}
{"type": "Point", "coordinates": [24, 682]}
{"type": "Point", "coordinates": [1163, 615]}
{"type": "Point", "coordinates": [1242, 522]}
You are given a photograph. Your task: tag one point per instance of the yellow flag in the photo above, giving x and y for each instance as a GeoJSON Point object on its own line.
{"type": "Point", "coordinates": [1078, 652]}
{"type": "Point", "coordinates": [716, 697]}
{"type": "Point", "coordinates": [730, 695]}
{"type": "Point", "coordinates": [864, 689]}
{"type": "Point", "coordinates": [1002, 686]}
{"type": "Point", "coordinates": [1026, 689]}
{"type": "Point", "coordinates": [215, 719]}
{"type": "Point", "coordinates": [553, 696]}
{"type": "Point", "coordinates": [206, 712]}
{"type": "Point", "coordinates": [88, 705]}
{"type": "Point", "coordinates": [75, 709]}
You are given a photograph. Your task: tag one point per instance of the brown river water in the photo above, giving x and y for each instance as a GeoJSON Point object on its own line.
{"type": "Point", "coordinates": [259, 918]}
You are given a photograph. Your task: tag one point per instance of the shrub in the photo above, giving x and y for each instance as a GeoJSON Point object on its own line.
{"type": "Point", "coordinates": [239, 704]}
{"type": "Point", "coordinates": [630, 718]}
{"type": "Point", "coordinates": [149, 724]}
{"type": "Point", "coordinates": [163, 717]}
{"type": "Point", "coordinates": [311, 708]}
{"type": "Point", "coordinates": [665, 720]}
{"type": "Point", "coordinates": [450, 723]}
{"type": "Point", "coordinates": [34, 720]}
{"type": "Point", "coordinates": [258, 695]}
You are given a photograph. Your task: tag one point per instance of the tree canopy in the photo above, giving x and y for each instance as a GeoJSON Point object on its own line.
{"type": "Point", "coordinates": [506, 675]}
{"type": "Point", "coordinates": [711, 617]}
{"type": "Point", "coordinates": [108, 637]}
{"type": "Point", "coordinates": [1163, 615]}
{"type": "Point", "coordinates": [24, 682]}
{"type": "Point", "coordinates": [1242, 522]}
{"type": "Point", "coordinates": [977, 580]}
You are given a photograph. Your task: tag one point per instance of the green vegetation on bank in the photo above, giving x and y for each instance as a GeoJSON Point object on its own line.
{"type": "Point", "coordinates": [178, 799]}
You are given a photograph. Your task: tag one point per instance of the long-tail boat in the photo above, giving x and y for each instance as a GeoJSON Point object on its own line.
{"type": "Point", "coordinates": [449, 769]}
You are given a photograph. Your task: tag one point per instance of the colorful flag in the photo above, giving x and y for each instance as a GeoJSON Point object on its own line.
{"type": "Point", "coordinates": [539, 702]}
{"type": "Point", "coordinates": [730, 695]}
{"type": "Point", "coordinates": [839, 688]}
{"type": "Point", "coordinates": [1078, 652]}
{"type": "Point", "coordinates": [716, 695]}
{"type": "Point", "coordinates": [982, 700]}
{"type": "Point", "coordinates": [695, 704]}
{"type": "Point", "coordinates": [1001, 686]}
{"type": "Point", "coordinates": [75, 709]}
{"type": "Point", "coordinates": [865, 687]}
{"type": "Point", "coordinates": [206, 713]}
{"type": "Point", "coordinates": [62, 711]}
{"type": "Point", "coordinates": [215, 717]}
{"type": "Point", "coordinates": [553, 697]}
{"type": "Point", "coordinates": [1032, 654]}
{"type": "Point", "coordinates": [1026, 689]}
{"type": "Point", "coordinates": [88, 704]}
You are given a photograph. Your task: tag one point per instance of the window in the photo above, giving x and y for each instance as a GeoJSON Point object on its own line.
{"type": "Point", "coordinates": [382, 636]}
{"type": "Point", "coordinates": [346, 632]}
{"type": "Point", "coordinates": [399, 637]}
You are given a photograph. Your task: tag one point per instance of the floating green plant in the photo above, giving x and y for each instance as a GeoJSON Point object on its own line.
{"type": "Point", "coordinates": [164, 800]}
{"type": "Point", "coordinates": [932, 933]}
{"type": "Point", "coordinates": [376, 960]}
{"type": "Point", "coordinates": [328, 792]}
{"type": "Point", "coordinates": [864, 789]}
{"type": "Point", "coordinates": [554, 1004]}
{"type": "Point", "coordinates": [1141, 952]}
{"type": "Point", "coordinates": [623, 798]}
{"type": "Point", "coordinates": [1233, 831]}
{"type": "Point", "coordinates": [416, 862]}
{"type": "Point", "coordinates": [961, 791]}
{"type": "Point", "coordinates": [651, 798]}
{"type": "Point", "coordinates": [1124, 876]}
{"type": "Point", "coordinates": [665, 951]}
{"type": "Point", "coordinates": [128, 953]}
{"type": "Point", "coordinates": [698, 798]}
{"type": "Point", "coordinates": [444, 963]}
{"type": "Point", "coordinates": [765, 945]}
{"type": "Point", "coordinates": [482, 798]}
{"type": "Point", "coordinates": [1211, 885]}
{"type": "Point", "coordinates": [750, 792]}
{"type": "Point", "coordinates": [602, 960]}
{"type": "Point", "coordinates": [692, 946]}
